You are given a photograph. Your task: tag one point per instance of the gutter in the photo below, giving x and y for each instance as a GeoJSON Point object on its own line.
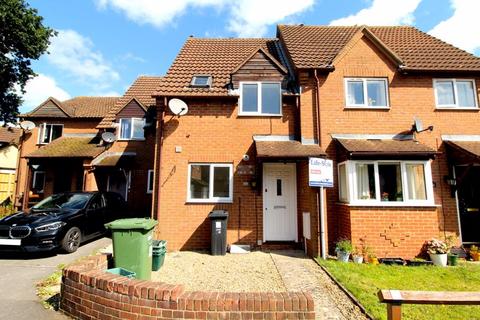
{"type": "Point", "coordinates": [157, 188]}
{"type": "Point", "coordinates": [321, 194]}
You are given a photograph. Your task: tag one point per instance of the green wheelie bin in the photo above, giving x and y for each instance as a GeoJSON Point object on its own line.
{"type": "Point", "coordinates": [132, 245]}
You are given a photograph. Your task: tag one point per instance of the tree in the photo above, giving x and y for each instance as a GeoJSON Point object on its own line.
{"type": "Point", "coordinates": [23, 38]}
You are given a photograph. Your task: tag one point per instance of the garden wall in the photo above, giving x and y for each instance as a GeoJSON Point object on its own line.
{"type": "Point", "coordinates": [88, 292]}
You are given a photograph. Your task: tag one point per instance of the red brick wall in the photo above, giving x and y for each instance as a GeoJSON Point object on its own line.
{"type": "Point", "coordinates": [213, 132]}
{"type": "Point", "coordinates": [88, 292]}
{"type": "Point", "coordinates": [409, 96]}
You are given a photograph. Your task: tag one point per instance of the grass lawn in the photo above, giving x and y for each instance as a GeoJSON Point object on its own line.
{"type": "Point", "coordinates": [364, 281]}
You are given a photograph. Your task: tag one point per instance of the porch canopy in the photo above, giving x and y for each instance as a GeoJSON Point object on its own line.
{"type": "Point", "coordinates": [69, 147]}
{"type": "Point", "coordinates": [385, 149]}
{"type": "Point", "coordinates": [115, 159]}
{"type": "Point", "coordinates": [287, 150]}
{"type": "Point", "coordinates": [463, 152]}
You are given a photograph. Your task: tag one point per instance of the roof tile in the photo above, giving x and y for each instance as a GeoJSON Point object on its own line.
{"type": "Point", "coordinates": [317, 46]}
{"type": "Point", "coordinates": [215, 57]}
{"type": "Point", "coordinates": [10, 135]}
{"type": "Point", "coordinates": [287, 149]}
{"type": "Point", "coordinates": [69, 147]}
{"type": "Point", "coordinates": [142, 89]}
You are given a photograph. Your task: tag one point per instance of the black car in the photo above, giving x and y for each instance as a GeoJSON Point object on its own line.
{"type": "Point", "coordinates": [61, 221]}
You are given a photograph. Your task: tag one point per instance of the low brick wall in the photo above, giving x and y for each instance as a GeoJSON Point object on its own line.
{"type": "Point", "coordinates": [88, 292]}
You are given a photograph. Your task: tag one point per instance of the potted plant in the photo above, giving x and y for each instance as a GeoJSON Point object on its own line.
{"type": "Point", "coordinates": [474, 254]}
{"type": "Point", "coordinates": [437, 250]}
{"type": "Point", "coordinates": [357, 256]}
{"type": "Point", "coordinates": [452, 257]}
{"type": "Point", "coordinates": [343, 248]}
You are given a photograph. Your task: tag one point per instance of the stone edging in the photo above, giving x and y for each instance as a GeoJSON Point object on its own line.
{"type": "Point", "coordinates": [345, 290]}
{"type": "Point", "coordinates": [88, 292]}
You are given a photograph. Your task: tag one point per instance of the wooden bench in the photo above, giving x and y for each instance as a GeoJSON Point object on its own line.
{"type": "Point", "coordinates": [395, 298]}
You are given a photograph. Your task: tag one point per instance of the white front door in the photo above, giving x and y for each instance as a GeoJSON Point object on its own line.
{"type": "Point", "coordinates": [279, 202]}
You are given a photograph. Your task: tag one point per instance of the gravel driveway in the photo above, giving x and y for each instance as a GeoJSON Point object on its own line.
{"type": "Point", "coordinates": [288, 270]}
{"type": "Point", "coordinates": [254, 271]}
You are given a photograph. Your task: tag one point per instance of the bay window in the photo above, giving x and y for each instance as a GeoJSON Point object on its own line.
{"type": "Point", "coordinates": [210, 182]}
{"type": "Point", "coordinates": [385, 182]}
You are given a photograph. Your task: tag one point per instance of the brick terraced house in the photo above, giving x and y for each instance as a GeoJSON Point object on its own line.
{"type": "Point", "coordinates": [65, 151]}
{"type": "Point", "coordinates": [361, 96]}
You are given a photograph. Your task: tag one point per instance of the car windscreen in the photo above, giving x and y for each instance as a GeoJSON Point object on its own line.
{"type": "Point", "coordinates": [63, 201]}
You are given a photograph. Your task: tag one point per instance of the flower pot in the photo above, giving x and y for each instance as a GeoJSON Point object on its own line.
{"type": "Point", "coordinates": [358, 259]}
{"type": "Point", "coordinates": [452, 259]}
{"type": "Point", "coordinates": [475, 256]}
{"type": "Point", "coordinates": [343, 256]}
{"type": "Point", "coordinates": [439, 259]}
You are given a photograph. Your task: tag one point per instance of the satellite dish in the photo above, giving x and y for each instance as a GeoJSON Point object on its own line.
{"type": "Point", "coordinates": [108, 137]}
{"type": "Point", "coordinates": [417, 123]}
{"type": "Point", "coordinates": [27, 125]}
{"type": "Point", "coordinates": [178, 107]}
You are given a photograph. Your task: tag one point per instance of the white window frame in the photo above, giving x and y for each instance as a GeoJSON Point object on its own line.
{"type": "Point", "coordinates": [211, 198]}
{"type": "Point", "coordinates": [34, 180]}
{"type": "Point", "coordinates": [41, 131]}
{"type": "Point", "coordinates": [347, 187]}
{"type": "Point", "coordinates": [131, 129]}
{"type": "Point", "coordinates": [259, 112]}
{"type": "Point", "coordinates": [209, 81]}
{"type": "Point", "coordinates": [455, 94]}
{"type": "Point", "coordinates": [150, 180]}
{"type": "Point", "coordinates": [352, 184]}
{"type": "Point", "coordinates": [365, 105]}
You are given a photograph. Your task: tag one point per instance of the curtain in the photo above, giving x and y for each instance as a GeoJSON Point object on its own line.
{"type": "Point", "coordinates": [363, 179]}
{"type": "Point", "coordinates": [416, 182]}
{"type": "Point", "coordinates": [125, 128]}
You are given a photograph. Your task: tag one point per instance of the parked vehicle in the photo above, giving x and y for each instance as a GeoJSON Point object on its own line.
{"type": "Point", "coordinates": [61, 221]}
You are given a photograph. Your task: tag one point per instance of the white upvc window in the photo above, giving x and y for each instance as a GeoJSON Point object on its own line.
{"type": "Point", "coordinates": [260, 99]}
{"type": "Point", "coordinates": [49, 132]}
{"type": "Point", "coordinates": [210, 182]}
{"type": "Point", "coordinates": [385, 183]}
{"type": "Point", "coordinates": [455, 93]}
{"type": "Point", "coordinates": [132, 129]}
{"type": "Point", "coordinates": [150, 177]}
{"type": "Point", "coordinates": [38, 181]}
{"type": "Point", "coordinates": [366, 93]}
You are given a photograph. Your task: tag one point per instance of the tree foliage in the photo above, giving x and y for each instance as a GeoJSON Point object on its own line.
{"type": "Point", "coordinates": [23, 38]}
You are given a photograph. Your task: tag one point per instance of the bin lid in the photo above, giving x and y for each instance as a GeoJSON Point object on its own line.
{"type": "Point", "coordinates": [216, 214]}
{"type": "Point", "coordinates": [132, 223]}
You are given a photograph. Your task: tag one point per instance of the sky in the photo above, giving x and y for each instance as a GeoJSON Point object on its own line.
{"type": "Point", "coordinates": [103, 45]}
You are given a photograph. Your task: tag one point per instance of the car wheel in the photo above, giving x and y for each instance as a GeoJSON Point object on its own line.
{"type": "Point", "coordinates": [72, 239]}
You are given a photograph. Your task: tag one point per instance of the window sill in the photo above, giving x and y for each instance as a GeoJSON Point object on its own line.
{"type": "Point", "coordinates": [206, 201]}
{"type": "Point", "coordinates": [389, 204]}
{"type": "Point", "coordinates": [259, 115]}
{"type": "Point", "coordinates": [476, 109]}
{"type": "Point", "coordinates": [365, 108]}
{"type": "Point", "coordinates": [131, 139]}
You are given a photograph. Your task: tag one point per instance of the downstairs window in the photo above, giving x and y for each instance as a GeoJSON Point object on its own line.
{"type": "Point", "coordinates": [385, 182]}
{"type": "Point", "coordinates": [210, 182]}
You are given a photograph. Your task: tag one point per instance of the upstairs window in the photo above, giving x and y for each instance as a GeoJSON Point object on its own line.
{"type": "Point", "coordinates": [132, 129]}
{"type": "Point", "coordinates": [49, 132]}
{"type": "Point", "coordinates": [455, 93]}
{"type": "Point", "coordinates": [366, 92]}
{"type": "Point", "coordinates": [201, 81]}
{"type": "Point", "coordinates": [260, 98]}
